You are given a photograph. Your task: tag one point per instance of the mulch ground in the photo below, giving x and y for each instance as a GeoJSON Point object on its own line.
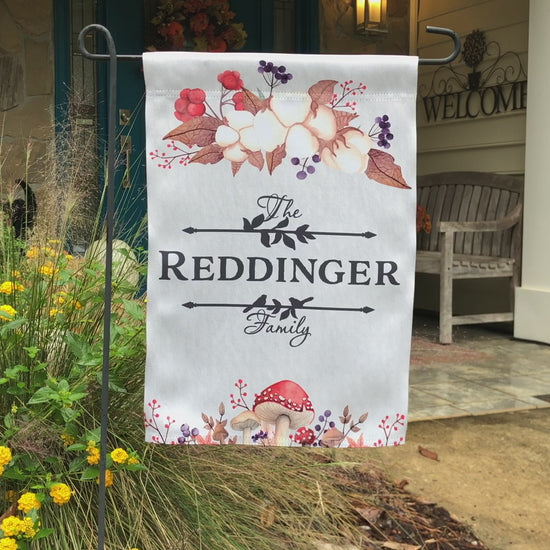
{"type": "Point", "coordinates": [393, 519]}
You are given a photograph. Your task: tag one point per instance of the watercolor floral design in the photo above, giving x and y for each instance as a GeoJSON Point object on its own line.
{"type": "Point", "coordinates": [267, 130]}
{"type": "Point", "coordinates": [280, 415]}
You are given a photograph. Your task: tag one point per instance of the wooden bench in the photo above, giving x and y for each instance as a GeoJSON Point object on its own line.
{"type": "Point", "coordinates": [476, 233]}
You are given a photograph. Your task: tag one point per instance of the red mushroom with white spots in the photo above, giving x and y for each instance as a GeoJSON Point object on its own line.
{"type": "Point", "coordinates": [304, 436]}
{"type": "Point", "coordinates": [285, 404]}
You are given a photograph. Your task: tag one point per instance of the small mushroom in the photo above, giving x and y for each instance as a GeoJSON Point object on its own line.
{"type": "Point", "coordinates": [332, 437]}
{"type": "Point", "coordinates": [304, 436]}
{"type": "Point", "coordinates": [287, 405]}
{"type": "Point", "coordinates": [245, 422]}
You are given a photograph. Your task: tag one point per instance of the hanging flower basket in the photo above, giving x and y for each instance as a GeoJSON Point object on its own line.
{"type": "Point", "coordinates": [199, 25]}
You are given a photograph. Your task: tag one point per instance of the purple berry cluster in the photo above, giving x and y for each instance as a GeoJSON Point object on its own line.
{"type": "Point", "coordinates": [187, 434]}
{"type": "Point", "coordinates": [273, 74]}
{"type": "Point", "coordinates": [259, 436]}
{"type": "Point", "coordinates": [326, 423]}
{"type": "Point", "coordinates": [305, 167]}
{"type": "Point", "coordinates": [384, 135]}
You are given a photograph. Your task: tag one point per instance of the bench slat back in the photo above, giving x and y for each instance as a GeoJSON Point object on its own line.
{"type": "Point", "coordinates": [470, 196]}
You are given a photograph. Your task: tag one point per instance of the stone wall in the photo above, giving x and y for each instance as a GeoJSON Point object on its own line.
{"type": "Point", "coordinates": [26, 89]}
{"type": "Point", "coordinates": [337, 29]}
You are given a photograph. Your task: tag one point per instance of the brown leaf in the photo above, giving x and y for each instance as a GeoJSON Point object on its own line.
{"type": "Point", "coordinates": [11, 511]}
{"type": "Point", "coordinates": [199, 131]}
{"type": "Point", "coordinates": [402, 484]}
{"type": "Point", "coordinates": [211, 154]}
{"type": "Point", "coordinates": [382, 169]}
{"type": "Point", "coordinates": [369, 513]}
{"type": "Point", "coordinates": [363, 417]}
{"type": "Point", "coordinates": [204, 417]}
{"type": "Point", "coordinates": [275, 157]}
{"type": "Point", "coordinates": [390, 545]}
{"type": "Point", "coordinates": [432, 455]}
{"type": "Point", "coordinates": [236, 166]}
{"type": "Point", "coordinates": [323, 91]}
{"type": "Point", "coordinates": [343, 118]}
{"type": "Point", "coordinates": [221, 409]}
{"type": "Point", "coordinates": [345, 412]}
{"type": "Point", "coordinates": [252, 102]}
{"type": "Point", "coordinates": [256, 159]}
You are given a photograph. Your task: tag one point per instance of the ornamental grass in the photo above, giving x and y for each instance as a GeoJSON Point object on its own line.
{"type": "Point", "coordinates": [51, 344]}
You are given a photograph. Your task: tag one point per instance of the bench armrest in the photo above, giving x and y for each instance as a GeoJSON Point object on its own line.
{"type": "Point", "coordinates": [492, 225]}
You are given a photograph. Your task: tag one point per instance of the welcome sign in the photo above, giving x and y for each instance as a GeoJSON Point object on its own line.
{"type": "Point", "coordinates": [281, 209]}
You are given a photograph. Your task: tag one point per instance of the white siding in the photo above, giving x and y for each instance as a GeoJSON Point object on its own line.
{"type": "Point", "coordinates": [493, 143]}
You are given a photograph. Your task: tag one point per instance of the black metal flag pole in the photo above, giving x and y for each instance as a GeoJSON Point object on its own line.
{"type": "Point", "coordinates": [112, 58]}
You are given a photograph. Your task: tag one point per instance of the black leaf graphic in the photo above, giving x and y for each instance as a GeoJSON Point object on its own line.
{"type": "Point", "coordinates": [277, 237]}
{"type": "Point", "coordinates": [260, 302]}
{"type": "Point", "coordinates": [282, 224]}
{"type": "Point", "coordinates": [284, 314]}
{"type": "Point", "coordinates": [264, 239]}
{"type": "Point", "coordinates": [289, 242]}
{"type": "Point", "coordinates": [295, 303]}
{"type": "Point", "coordinates": [258, 220]}
{"type": "Point", "coordinates": [247, 226]}
{"type": "Point", "coordinates": [276, 307]}
{"type": "Point", "coordinates": [309, 236]}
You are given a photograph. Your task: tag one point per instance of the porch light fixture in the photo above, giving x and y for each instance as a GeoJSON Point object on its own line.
{"type": "Point", "coordinates": [371, 17]}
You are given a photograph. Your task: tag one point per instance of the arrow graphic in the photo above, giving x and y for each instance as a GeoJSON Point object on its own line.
{"type": "Point", "coordinates": [248, 307]}
{"type": "Point", "coordinates": [366, 234]}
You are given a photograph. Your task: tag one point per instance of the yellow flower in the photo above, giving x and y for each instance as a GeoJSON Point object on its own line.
{"type": "Point", "coordinates": [133, 460]}
{"type": "Point", "coordinates": [28, 502]}
{"type": "Point", "coordinates": [7, 313]}
{"type": "Point", "coordinates": [61, 493]}
{"type": "Point", "coordinates": [7, 287]}
{"type": "Point", "coordinates": [1, 470]}
{"type": "Point", "coordinates": [10, 496]}
{"type": "Point", "coordinates": [5, 455]}
{"type": "Point", "coordinates": [48, 269]}
{"type": "Point", "coordinates": [108, 478]}
{"type": "Point", "coordinates": [8, 544]}
{"type": "Point", "coordinates": [28, 528]}
{"type": "Point", "coordinates": [11, 526]}
{"type": "Point", "coordinates": [62, 297]}
{"type": "Point", "coordinates": [32, 252]}
{"type": "Point", "coordinates": [76, 304]}
{"type": "Point", "coordinates": [16, 273]}
{"type": "Point", "coordinates": [69, 257]}
{"type": "Point", "coordinates": [93, 455]}
{"type": "Point", "coordinates": [54, 311]}
{"type": "Point", "coordinates": [119, 456]}
{"type": "Point", "coordinates": [67, 439]}
{"type": "Point", "coordinates": [48, 250]}
{"type": "Point", "coordinates": [54, 241]}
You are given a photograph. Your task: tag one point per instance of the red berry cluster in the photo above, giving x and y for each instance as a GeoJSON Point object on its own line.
{"type": "Point", "coordinates": [190, 104]}
{"type": "Point", "coordinates": [230, 80]}
{"type": "Point", "coordinates": [238, 100]}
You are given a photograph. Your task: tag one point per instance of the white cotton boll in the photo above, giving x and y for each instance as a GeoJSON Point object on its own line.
{"type": "Point", "coordinates": [359, 140]}
{"type": "Point", "coordinates": [249, 139]}
{"type": "Point", "coordinates": [239, 119]}
{"type": "Point", "coordinates": [226, 136]}
{"type": "Point", "coordinates": [271, 133]}
{"type": "Point", "coordinates": [293, 110]}
{"type": "Point", "coordinates": [329, 158]}
{"type": "Point", "coordinates": [349, 159]}
{"type": "Point", "coordinates": [300, 142]}
{"type": "Point", "coordinates": [322, 123]}
{"type": "Point", "coordinates": [234, 153]}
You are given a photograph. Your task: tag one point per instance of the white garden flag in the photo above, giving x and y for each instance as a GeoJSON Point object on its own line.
{"type": "Point", "coordinates": [281, 204]}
